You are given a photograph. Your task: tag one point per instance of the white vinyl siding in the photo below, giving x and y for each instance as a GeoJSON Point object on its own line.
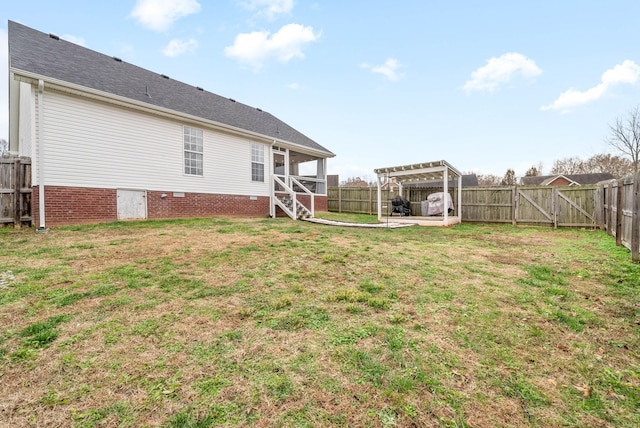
{"type": "Point", "coordinates": [257, 162]}
{"type": "Point", "coordinates": [95, 144]}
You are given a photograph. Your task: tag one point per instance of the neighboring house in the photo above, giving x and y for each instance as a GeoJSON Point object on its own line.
{"type": "Point", "coordinates": [109, 140]}
{"type": "Point", "coordinates": [565, 180]}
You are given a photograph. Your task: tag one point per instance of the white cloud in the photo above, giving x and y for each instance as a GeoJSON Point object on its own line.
{"type": "Point", "coordinates": [390, 69]}
{"type": "Point", "coordinates": [73, 39]}
{"type": "Point", "coordinates": [270, 9]}
{"type": "Point", "coordinates": [258, 47]}
{"type": "Point", "coordinates": [4, 87]}
{"type": "Point", "coordinates": [158, 15]}
{"type": "Point", "coordinates": [626, 73]}
{"type": "Point", "coordinates": [500, 70]}
{"type": "Point", "coordinates": [178, 47]}
{"type": "Point", "coordinates": [294, 86]}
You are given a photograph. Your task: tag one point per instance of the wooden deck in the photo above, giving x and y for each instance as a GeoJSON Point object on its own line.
{"type": "Point", "coordinates": [436, 221]}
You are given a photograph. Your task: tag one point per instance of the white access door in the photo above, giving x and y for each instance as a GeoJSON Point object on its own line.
{"type": "Point", "coordinates": [132, 204]}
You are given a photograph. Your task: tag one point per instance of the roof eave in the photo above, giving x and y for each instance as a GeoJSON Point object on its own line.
{"type": "Point", "coordinates": [108, 97]}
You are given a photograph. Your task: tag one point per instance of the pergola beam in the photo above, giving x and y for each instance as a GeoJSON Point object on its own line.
{"type": "Point", "coordinates": [425, 172]}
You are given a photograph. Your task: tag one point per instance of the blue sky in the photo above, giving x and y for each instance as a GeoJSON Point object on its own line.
{"type": "Point", "coordinates": [485, 85]}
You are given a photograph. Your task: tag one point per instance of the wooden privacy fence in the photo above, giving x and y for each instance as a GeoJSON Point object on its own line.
{"type": "Point", "coordinates": [570, 206]}
{"type": "Point", "coordinates": [364, 200]}
{"type": "Point", "coordinates": [620, 201]}
{"type": "Point", "coordinates": [542, 205]}
{"type": "Point", "coordinates": [15, 191]}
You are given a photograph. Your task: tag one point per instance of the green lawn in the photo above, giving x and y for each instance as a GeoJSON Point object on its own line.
{"type": "Point", "coordinates": [262, 322]}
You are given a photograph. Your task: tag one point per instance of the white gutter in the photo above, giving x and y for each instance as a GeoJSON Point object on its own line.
{"type": "Point", "coordinates": [40, 147]}
{"type": "Point", "coordinates": [150, 108]}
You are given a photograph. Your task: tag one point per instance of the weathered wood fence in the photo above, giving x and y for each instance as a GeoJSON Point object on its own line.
{"type": "Point", "coordinates": [542, 205]}
{"type": "Point", "coordinates": [15, 191]}
{"type": "Point", "coordinates": [620, 201]}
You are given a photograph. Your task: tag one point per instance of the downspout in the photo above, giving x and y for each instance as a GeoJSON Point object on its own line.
{"type": "Point", "coordinates": [40, 146]}
{"type": "Point", "coordinates": [272, 185]}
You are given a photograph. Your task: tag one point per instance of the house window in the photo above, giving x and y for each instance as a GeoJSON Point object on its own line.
{"type": "Point", "coordinates": [193, 152]}
{"type": "Point", "coordinates": [257, 162]}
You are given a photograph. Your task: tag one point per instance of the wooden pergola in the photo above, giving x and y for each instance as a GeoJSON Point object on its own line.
{"type": "Point", "coordinates": [420, 173]}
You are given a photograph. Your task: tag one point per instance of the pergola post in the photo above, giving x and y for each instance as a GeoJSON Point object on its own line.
{"type": "Point", "coordinates": [445, 182]}
{"type": "Point", "coordinates": [379, 199]}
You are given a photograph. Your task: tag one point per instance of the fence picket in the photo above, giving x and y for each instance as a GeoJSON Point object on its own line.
{"type": "Point", "coordinates": [15, 191]}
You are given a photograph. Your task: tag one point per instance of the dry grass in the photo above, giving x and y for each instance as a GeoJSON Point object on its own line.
{"type": "Point", "coordinates": [275, 323]}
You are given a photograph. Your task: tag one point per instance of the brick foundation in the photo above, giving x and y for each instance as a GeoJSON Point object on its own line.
{"type": "Point", "coordinates": [204, 205]}
{"type": "Point", "coordinates": [77, 205]}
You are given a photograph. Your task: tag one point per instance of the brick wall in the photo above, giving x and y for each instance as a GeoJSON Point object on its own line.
{"type": "Point", "coordinates": [204, 205]}
{"type": "Point", "coordinates": [75, 205]}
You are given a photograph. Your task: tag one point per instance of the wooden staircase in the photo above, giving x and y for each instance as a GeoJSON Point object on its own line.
{"type": "Point", "coordinates": [300, 211]}
{"type": "Point", "coordinates": [285, 198]}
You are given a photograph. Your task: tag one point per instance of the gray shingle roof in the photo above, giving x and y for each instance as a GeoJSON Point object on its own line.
{"type": "Point", "coordinates": [582, 179]}
{"type": "Point", "coordinates": [36, 52]}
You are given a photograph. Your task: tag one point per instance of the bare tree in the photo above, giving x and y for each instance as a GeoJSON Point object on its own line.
{"type": "Point", "coordinates": [625, 136]}
{"type": "Point", "coordinates": [356, 182]}
{"type": "Point", "coordinates": [565, 166]}
{"type": "Point", "coordinates": [4, 146]}
{"type": "Point", "coordinates": [485, 180]}
{"type": "Point", "coordinates": [509, 178]}
{"type": "Point", "coordinates": [615, 165]}
{"type": "Point", "coordinates": [488, 180]}
{"type": "Point", "coordinates": [534, 171]}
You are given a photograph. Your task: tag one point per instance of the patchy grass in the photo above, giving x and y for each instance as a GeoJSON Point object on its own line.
{"type": "Point", "coordinates": [239, 322]}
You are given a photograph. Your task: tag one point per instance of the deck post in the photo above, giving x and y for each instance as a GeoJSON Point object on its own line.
{"type": "Point", "coordinates": [445, 183]}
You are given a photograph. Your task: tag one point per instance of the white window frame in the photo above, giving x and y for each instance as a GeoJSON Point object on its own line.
{"type": "Point", "coordinates": [193, 151]}
{"type": "Point", "coordinates": [257, 159]}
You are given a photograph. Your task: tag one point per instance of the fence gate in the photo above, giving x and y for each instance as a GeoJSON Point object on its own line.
{"type": "Point", "coordinates": [535, 206]}
{"type": "Point", "coordinates": [565, 206]}
{"type": "Point", "coordinates": [575, 206]}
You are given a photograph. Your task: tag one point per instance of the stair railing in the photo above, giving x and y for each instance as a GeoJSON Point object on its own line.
{"type": "Point", "coordinates": [312, 195]}
{"type": "Point", "coordinates": [289, 191]}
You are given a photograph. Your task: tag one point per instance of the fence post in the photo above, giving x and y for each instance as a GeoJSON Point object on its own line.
{"type": "Point", "coordinates": [554, 206]}
{"type": "Point", "coordinates": [370, 200]}
{"type": "Point", "coordinates": [619, 211]}
{"type": "Point", "coordinates": [610, 206]}
{"type": "Point", "coordinates": [635, 225]}
{"type": "Point", "coordinates": [515, 205]}
{"type": "Point", "coordinates": [339, 199]}
{"type": "Point", "coordinates": [17, 179]}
